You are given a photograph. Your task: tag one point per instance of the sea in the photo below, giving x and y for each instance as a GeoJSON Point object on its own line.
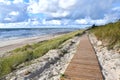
{"type": "Point", "coordinates": [15, 33]}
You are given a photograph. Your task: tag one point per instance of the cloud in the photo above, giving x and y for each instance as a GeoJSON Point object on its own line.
{"type": "Point", "coordinates": [81, 21]}
{"type": "Point", "coordinates": [53, 8]}
{"type": "Point", "coordinates": [7, 2]}
{"type": "Point", "coordinates": [73, 9]}
{"type": "Point", "coordinates": [52, 22]}
{"type": "Point", "coordinates": [13, 12]}
{"type": "Point", "coordinates": [60, 11]}
{"type": "Point", "coordinates": [34, 8]}
{"type": "Point", "coordinates": [66, 4]}
{"type": "Point", "coordinates": [11, 17]}
{"type": "Point", "coordinates": [18, 1]}
{"type": "Point", "coordinates": [89, 21]}
{"type": "Point", "coordinates": [116, 9]}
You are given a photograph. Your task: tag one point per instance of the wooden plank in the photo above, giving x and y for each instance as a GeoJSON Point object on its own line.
{"type": "Point", "coordinates": [84, 65]}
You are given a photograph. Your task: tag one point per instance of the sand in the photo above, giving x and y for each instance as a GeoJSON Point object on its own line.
{"type": "Point", "coordinates": [9, 45]}
{"type": "Point", "coordinates": [108, 59]}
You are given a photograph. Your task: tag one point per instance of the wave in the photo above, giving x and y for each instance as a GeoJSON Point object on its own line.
{"type": "Point", "coordinates": [13, 33]}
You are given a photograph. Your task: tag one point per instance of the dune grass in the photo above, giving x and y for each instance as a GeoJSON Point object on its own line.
{"type": "Point", "coordinates": [109, 33]}
{"type": "Point", "coordinates": [30, 52]}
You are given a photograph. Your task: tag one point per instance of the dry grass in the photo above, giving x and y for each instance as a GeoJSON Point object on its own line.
{"type": "Point", "coordinates": [109, 33]}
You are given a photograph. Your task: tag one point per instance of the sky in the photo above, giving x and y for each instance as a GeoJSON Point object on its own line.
{"type": "Point", "coordinates": [59, 12]}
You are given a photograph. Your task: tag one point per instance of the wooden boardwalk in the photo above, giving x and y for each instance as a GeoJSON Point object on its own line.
{"type": "Point", "coordinates": [84, 65]}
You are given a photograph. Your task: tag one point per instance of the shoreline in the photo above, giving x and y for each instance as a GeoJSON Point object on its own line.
{"type": "Point", "coordinates": [32, 36]}
{"type": "Point", "coordinates": [8, 45]}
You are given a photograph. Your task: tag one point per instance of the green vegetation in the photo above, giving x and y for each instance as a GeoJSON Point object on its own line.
{"type": "Point", "coordinates": [30, 52]}
{"type": "Point", "coordinates": [62, 75]}
{"type": "Point", "coordinates": [109, 33]}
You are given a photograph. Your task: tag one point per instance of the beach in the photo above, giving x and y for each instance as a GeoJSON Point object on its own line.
{"type": "Point", "coordinates": [51, 65]}
{"type": "Point", "coordinates": [8, 45]}
{"type": "Point", "coordinates": [14, 38]}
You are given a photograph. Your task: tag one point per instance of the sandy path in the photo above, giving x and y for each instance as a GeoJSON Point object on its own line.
{"type": "Point", "coordinates": [6, 46]}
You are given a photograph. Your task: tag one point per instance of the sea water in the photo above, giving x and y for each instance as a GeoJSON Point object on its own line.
{"type": "Point", "coordinates": [15, 33]}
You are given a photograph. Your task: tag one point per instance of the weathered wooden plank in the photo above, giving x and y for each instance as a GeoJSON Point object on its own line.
{"type": "Point", "coordinates": [84, 65]}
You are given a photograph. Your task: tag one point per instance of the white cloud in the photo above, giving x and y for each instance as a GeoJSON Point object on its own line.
{"type": "Point", "coordinates": [81, 21]}
{"type": "Point", "coordinates": [66, 4]}
{"type": "Point", "coordinates": [116, 8]}
{"type": "Point", "coordinates": [98, 22]}
{"type": "Point", "coordinates": [1, 0]}
{"type": "Point", "coordinates": [38, 7]}
{"type": "Point", "coordinates": [7, 19]}
{"type": "Point", "coordinates": [14, 25]}
{"type": "Point", "coordinates": [62, 11]}
{"type": "Point", "coordinates": [7, 2]}
{"type": "Point", "coordinates": [11, 16]}
{"type": "Point", "coordinates": [52, 22]}
{"type": "Point", "coordinates": [74, 9]}
{"type": "Point", "coordinates": [90, 21]}
{"type": "Point", "coordinates": [34, 8]}
{"type": "Point", "coordinates": [14, 13]}
{"type": "Point", "coordinates": [60, 14]}
{"type": "Point", "coordinates": [18, 1]}
{"type": "Point", "coordinates": [54, 8]}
